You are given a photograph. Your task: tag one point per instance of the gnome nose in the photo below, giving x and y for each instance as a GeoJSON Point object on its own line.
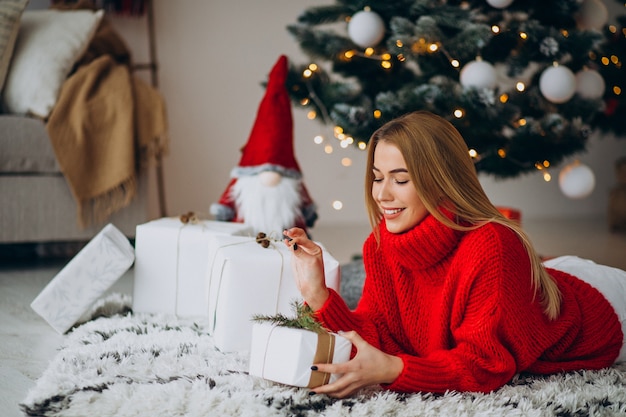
{"type": "Point", "coordinates": [270, 178]}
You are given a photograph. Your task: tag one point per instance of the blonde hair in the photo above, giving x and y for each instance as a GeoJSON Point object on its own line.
{"type": "Point", "coordinates": [443, 173]}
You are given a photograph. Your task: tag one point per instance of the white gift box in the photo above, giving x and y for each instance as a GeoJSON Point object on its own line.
{"type": "Point", "coordinates": [171, 262]}
{"type": "Point", "coordinates": [285, 355]}
{"type": "Point", "coordinates": [246, 279]}
{"type": "Point", "coordinates": [84, 279]}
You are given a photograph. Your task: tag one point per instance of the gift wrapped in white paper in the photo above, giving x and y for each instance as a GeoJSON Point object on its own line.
{"type": "Point", "coordinates": [246, 279]}
{"type": "Point", "coordinates": [171, 262]}
{"type": "Point", "coordinates": [285, 355]}
{"type": "Point", "coordinates": [84, 279]}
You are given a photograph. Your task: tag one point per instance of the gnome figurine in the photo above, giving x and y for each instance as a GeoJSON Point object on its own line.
{"type": "Point", "coordinates": [266, 190]}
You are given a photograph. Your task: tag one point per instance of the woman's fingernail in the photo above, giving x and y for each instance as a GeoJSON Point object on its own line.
{"type": "Point", "coordinates": [314, 368]}
{"type": "Point", "coordinates": [295, 246]}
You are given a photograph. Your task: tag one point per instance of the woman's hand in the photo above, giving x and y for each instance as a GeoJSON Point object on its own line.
{"type": "Point", "coordinates": [308, 267]}
{"type": "Point", "coordinates": [370, 366]}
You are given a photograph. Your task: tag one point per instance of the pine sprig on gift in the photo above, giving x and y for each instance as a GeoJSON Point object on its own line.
{"type": "Point", "coordinates": [303, 319]}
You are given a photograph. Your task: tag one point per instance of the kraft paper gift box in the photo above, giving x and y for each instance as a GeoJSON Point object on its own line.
{"type": "Point", "coordinates": [171, 262]}
{"type": "Point", "coordinates": [70, 294]}
{"type": "Point", "coordinates": [285, 355]}
{"type": "Point", "coordinates": [246, 279]}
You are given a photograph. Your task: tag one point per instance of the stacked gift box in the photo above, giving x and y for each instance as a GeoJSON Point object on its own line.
{"type": "Point", "coordinates": [209, 269]}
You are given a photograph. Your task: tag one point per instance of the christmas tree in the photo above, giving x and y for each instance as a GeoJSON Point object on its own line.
{"type": "Point", "coordinates": [523, 81]}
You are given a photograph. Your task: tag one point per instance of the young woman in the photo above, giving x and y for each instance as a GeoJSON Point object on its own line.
{"type": "Point", "coordinates": [455, 297]}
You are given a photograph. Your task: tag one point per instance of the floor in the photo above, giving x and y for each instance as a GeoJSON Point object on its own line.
{"type": "Point", "coordinates": [27, 342]}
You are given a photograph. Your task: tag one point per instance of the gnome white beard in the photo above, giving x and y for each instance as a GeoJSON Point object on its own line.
{"type": "Point", "coordinates": [268, 209]}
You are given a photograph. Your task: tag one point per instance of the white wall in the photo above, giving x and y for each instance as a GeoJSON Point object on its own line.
{"type": "Point", "coordinates": [213, 56]}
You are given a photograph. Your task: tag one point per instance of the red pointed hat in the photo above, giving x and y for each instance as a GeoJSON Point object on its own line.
{"type": "Point", "coordinates": [270, 144]}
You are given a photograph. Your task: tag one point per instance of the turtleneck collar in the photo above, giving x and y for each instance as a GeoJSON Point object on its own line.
{"type": "Point", "coordinates": [421, 247]}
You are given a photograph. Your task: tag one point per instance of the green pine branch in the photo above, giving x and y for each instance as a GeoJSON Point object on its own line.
{"type": "Point", "coordinates": [303, 319]}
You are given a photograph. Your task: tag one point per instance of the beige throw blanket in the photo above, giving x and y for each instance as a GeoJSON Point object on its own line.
{"type": "Point", "coordinates": [104, 128]}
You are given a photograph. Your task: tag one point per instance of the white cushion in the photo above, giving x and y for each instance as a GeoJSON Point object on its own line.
{"type": "Point", "coordinates": [48, 45]}
{"type": "Point", "coordinates": [10, 14]}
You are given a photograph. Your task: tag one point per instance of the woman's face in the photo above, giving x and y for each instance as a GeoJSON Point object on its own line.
{"type": "Point", "coordinates": [393, 190]}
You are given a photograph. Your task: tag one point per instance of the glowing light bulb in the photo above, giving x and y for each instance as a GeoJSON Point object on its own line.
{"type": "Point", "coordinates": [318, 139]}
{"type": "Point", "coordinates": [337, 205]}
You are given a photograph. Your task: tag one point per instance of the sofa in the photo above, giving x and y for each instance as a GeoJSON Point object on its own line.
{"type": "Point", "coordinates": [36, 203]}
{"type": "Point", "coordinates": [78, 130]}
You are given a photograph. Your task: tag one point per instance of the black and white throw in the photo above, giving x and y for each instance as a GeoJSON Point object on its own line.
{"type": "Point", "coordinates": [123, 364]}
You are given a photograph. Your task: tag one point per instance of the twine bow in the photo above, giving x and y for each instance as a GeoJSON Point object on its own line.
{"type": "Point", "coordinates": [263, 240]}
{"type": "Point", "coordinates": [189, 217]}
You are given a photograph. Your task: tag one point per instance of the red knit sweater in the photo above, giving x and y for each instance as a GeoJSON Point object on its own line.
{"type": "Point", "coordinates": [459, 309]}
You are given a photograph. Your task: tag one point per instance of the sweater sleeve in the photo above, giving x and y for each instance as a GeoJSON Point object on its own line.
{"type": "Point", "coordinates": [366, 319]}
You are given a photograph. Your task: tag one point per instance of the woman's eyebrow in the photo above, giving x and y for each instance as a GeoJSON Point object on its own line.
{"type": "Point", "coordinates": [393, 171]}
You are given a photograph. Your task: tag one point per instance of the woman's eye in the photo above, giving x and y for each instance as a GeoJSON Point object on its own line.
{"type": "Point", "coordinates": [378, 179]}
{"type": "Point", "coordinates": [402, 181]}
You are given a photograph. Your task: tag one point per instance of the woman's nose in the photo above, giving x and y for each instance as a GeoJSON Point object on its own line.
{"type": "Point", "coordinates": [383, 192]}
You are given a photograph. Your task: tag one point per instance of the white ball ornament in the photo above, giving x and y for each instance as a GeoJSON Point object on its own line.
{"type": "Point", "coordinates": [366, 28]}
{"type": "Point", "coordinates": [557, 84]}
{"type": "Point", "coordinates": [577, 180]}
{"type": "Point", "coordinates": [590, 84]}
{"type": "Point", "coordinates": [592, 14]}
{"type": "Point", "coordinates": [479, 74]}
{"type": "Point", "coordinates": [499, 4]}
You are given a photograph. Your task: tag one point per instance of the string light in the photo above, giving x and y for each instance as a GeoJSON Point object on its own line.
{"type": "Point", "coordinates": [337, 205]}
{"type": "Point", "coordinates": [346, 162]}
{"type": "Point", "coordinates": [541, 167]}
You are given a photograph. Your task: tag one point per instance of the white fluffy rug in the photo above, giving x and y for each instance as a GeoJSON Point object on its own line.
{"type": "Point", "coordinates": [154, 365]}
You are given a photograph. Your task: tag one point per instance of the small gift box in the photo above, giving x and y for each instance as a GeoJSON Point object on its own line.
{"type": "Point", "coordinates": [84, 279]}
{"type": "Point", "coordinates": [248, 277]}
{"type": "Point", "coordinates": [171, 262]}
{"type": "Point", "coordinates": [285, 355]}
